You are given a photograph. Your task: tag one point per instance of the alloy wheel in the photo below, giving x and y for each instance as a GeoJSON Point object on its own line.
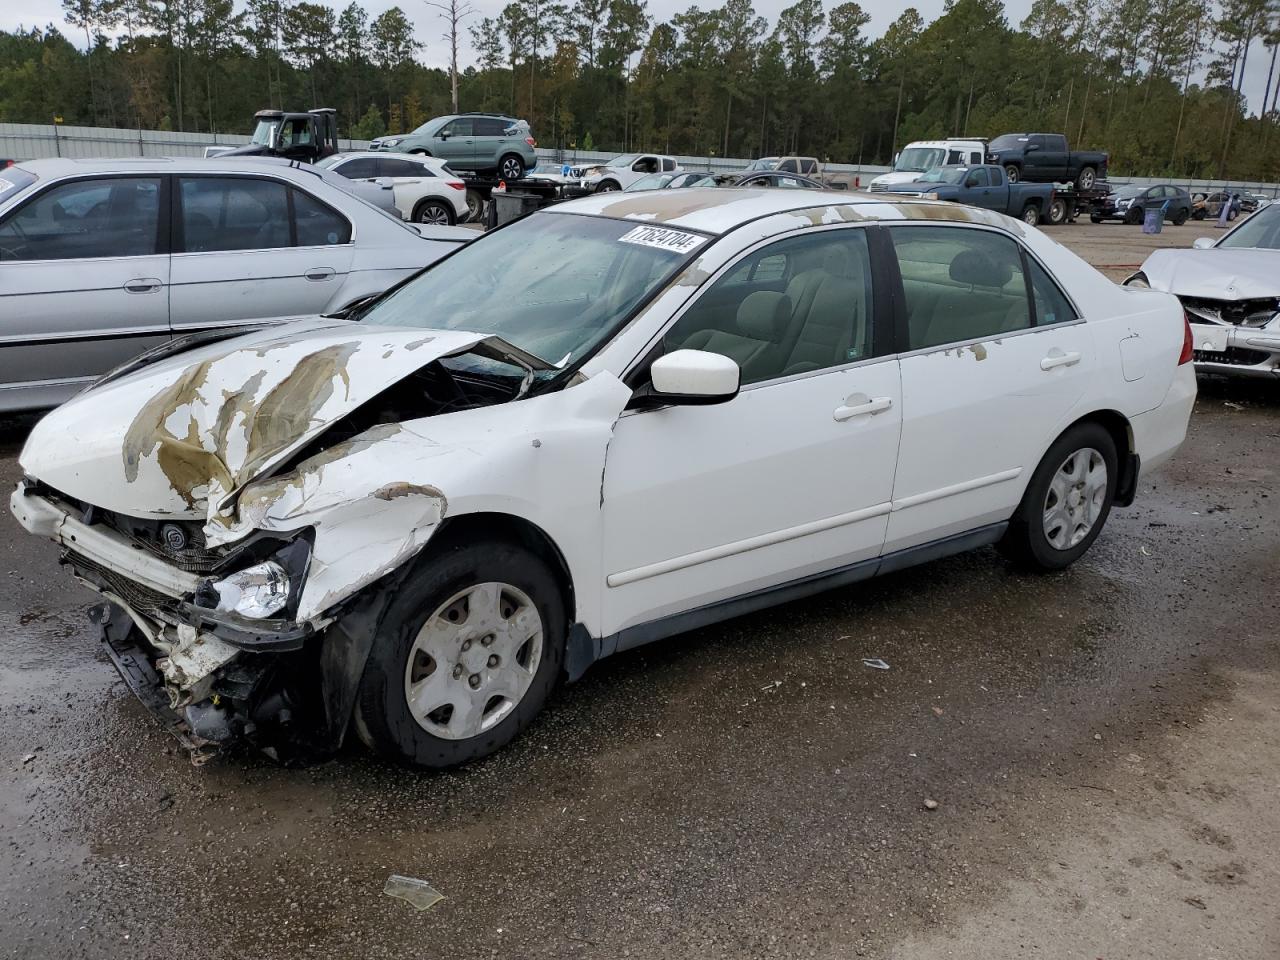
{"type": "Point", "coordinates": [512, 169]}
{"type": "Point", "coordinates": [473, 660]}
{"type": "Point", "coordinates": [434, 214]}
{"type": "Point", "coordinates": [1076, 497]}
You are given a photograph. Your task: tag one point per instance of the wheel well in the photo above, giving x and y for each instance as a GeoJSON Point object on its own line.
{"type": "Point", "coordinates": [512, 529]}
{"type": "Point", "coordinates": [425, 200]}
{"type": "Point", "coordinates": [1117, 424]}
{"type": "Point", "coordinates": [1037, 202]}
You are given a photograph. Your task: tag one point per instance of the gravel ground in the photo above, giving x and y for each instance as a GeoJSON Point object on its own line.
{"type": "Point", "coordinates": [1101, 745]}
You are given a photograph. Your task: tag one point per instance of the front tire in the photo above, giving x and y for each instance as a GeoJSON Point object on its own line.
{"type": "Point", "coordinates": [1031, 215]}
{"type": "Point", "coordinates": [1180, 218]}
{"type": "Point", "coordinates": [1133, 216]}
{"type": "Point", "coordinates": [1058, 212]}
{"type": "Point", "coordinates": [608, 186]}
{"type": "Point", "coordinates": [1067, 501]}
{"type": "Point", "coordinates": [468, 652]}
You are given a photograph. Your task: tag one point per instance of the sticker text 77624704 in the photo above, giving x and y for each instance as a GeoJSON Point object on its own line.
{"type": "Point", "coordinates": [677, 241]}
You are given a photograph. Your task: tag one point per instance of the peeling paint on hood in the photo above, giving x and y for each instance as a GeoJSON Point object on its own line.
{"type": "Point", "coordinates": [180, 437]}
{"type": "Point", "coordinates": [1216, 273]}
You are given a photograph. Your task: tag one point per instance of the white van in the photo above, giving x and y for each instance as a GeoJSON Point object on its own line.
{"type": "Point", "coordinates": [918, 158]}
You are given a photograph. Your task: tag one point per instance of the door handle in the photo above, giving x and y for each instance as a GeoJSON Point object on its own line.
{"type": "Point", "coordinates": [320, 273]}
{"type": "Point", "coordinates": [1057, 358]}
{"type": "Point", "coordinates": [875, 405]}
{"type": "Point", "coordinates": [142, 285]}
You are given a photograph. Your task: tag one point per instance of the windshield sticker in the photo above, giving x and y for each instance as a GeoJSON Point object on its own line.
{"type": "Point", "coordinates": [677, 241]}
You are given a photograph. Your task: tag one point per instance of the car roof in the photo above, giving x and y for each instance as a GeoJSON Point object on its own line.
{"type": "Point", "coordinates": [56, 167]}
{"type": "Point", "coordinates": [384, 154]}
{"type": "Point", "coordinates": [717, 210]}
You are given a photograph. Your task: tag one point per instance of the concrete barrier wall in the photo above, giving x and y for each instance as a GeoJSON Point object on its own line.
{"type": "Point", "coordinates": [29, 141]}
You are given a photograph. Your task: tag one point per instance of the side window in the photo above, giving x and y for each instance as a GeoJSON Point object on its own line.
{"type": "Point", "coordinates": [1056, 141]}
{"type": "Point", "coordinates": [394, 167]}
{"type": "Point", "coordinates": [979, 178]}
{"type": "Point", "coordinates": [954, 156]}
{"type": "Point", "coordinates": [975, 157]}
{"type": "Point", "coordinates": [809, 166]}
{"type": "Point", "coordinates": [960, 284]}
{"type": "Point", "coordinates": [1051, 305]}
{"type": "Point", "coordinates": [462, 127]}
{"type": "Point", "coordinates": [787, 166]}
{"type": "Point", "coordinates": [794, 306]}
{"type": "Point", "coordinates": [85, 219]}
{"type": "Point", "coordinates": [489, 127]}
{"type": "Point", "coordinates": [360, 168]}
{"type": "Point", "coordinates": [646, 165]}
{"type": "Point", "coordinates": [668, 164]}
{"type": "Point", "coordinates": [234, 213]}
{"type": "Point", "coordinates": [789, 182]}
{"type": "Point", "coordinates": [317, 224]}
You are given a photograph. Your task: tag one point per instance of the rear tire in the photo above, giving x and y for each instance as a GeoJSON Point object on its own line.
{"type": "Point", "coordinates": [1086, 179]}
{"type": "Point", "coordinates": [1133, 216]}
{"type": "Point", "coordinates": [1058, 212]}
{"type": "Point", "coordinates": [447, 608]}
{"type": "Point", "coordinates": [1094, 218]}
{"type": "Point", "coordinates": [511, 167]}
{"type": "Point", "coordinates": [419, 152]}
{"type": "Point", "coordinates": [1066, 503]}
{"type": "Point", "coordinates": [1013, 172]}
{"type": "Point", "coordinates": [435, 213]}
{"type": "Point", "coordinates": [1179, 218]}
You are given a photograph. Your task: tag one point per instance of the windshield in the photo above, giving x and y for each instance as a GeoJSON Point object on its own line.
{"type": "Point", "coordinates": [328, 162]}
{"type": "Point", "coordinates": [1260, 232]}
{"type": "Point", "coordinates": [626, 160]}
{"type": "Point", "coordinates": [654, 181]}
{"type": "Point", "coordinates": [264, 133]}
{"type": "Point", "coordinates": [1128, 193]}
{"type": "Point", "coordinates": [14, 180]}
{"type": "Point", "coordinates": [693, 180]}
{"type": "Point", "coordinates": [1008, 141]}
{"type": "Point", "coordinates": [945, 175]}
{"type": "Point", "coordinates": [552, 284]}
{"type": "Point", "coordinates": [764, 163]}
{"type": "Point", "coordinates": [918, 159]}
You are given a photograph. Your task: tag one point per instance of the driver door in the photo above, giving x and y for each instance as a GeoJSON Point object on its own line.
{"type": "Point", "coordinates": [792, 477]}
{"type": "Point", "coordinates": [456, 143]}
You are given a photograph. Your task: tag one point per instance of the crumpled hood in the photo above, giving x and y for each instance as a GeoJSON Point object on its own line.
{"type": "Point", "coordinates": [1216, 273]}
{"type": "Point", "coordinates": [178, 437]}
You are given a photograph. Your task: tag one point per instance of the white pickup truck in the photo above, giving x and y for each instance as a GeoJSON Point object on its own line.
{"type": "Point", "coordinates": [620, 172]}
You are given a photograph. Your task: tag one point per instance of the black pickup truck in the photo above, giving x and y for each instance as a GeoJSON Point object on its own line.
{"type": "Point", "coordinates": [982, 186]}
{"type": "Point", "coordinates": [1046, 158]}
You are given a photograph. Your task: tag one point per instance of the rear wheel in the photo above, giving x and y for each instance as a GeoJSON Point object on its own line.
{"type": "Point", "coordinates": [1087, 178]}
{"type": "Point", "coordinates": [1180, 218]}
{"type": "Point", "coordinates": [1058, 212]}
{"type": "Point", "coordinates": [1031, 214]}
{"type": "Point", "coordinates": [475, 205]}
{"type": "Point", "coordinates": [1067, 501]}
{"type": "Point", "coordinates": [419, 152]}
{"type": "Point", "coordinates": [434, 212]}
{"type": "Point", "coordinates": [1013, 172]}
{"type": "Point", "coordinates": [511, 167]}
{"type": "Point", "coordinates": [1095, 218]}
{"type": "Point", "coordinates": [467, 654]}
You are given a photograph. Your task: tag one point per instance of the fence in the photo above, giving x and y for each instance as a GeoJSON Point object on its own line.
{"type": "Point", "coordinates": [30, 141]}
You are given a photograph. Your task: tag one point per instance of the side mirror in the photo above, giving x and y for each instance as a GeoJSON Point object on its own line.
{"type": "Point", "coordinates": [971, 182]}
{"type": "Point", "coordinates": [1203, 243]}
{"type": "Point", "coordinates": [689, 378]}
{"type": "Point", "coordinates": [442, 135]}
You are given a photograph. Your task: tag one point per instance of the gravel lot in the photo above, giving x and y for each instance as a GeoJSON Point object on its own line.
{"type": "Point", "coordinates": [1102, 745]}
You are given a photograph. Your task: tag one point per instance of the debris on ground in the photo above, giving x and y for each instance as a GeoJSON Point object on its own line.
{"type": "Point", "coordinates": [1195, 902]}
{"type": "Point", "coordinates": [931, 804]}
{"type": "Point", "coordinates": [28, 758]}
{"type": "Point", "coordinates": [875, 664]}
{"type": "Point", "coordinates": [1233, 406]}
{"type": "Point", "coordinates": [937, 711]}
{"type": "Point", "coordinates": [417, 893]}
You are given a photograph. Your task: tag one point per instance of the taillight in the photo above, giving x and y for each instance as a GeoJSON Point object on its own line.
{"type": "Point", "coordinates": [456, 184]}
{"type": "Point", "coordinates": [530, 141]}
{"type": "Point", "coordinates": [1187, 342]}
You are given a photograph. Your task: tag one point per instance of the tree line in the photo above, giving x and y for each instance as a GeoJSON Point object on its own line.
{"type": "Point", "coordinates": [1160, 84]}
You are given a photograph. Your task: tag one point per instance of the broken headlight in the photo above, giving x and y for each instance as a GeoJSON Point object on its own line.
{"type": "Point", "coordinates": [256, 592]}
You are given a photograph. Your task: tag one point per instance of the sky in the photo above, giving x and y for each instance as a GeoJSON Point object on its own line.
{"type": "Point", "coordinates": [29, 13]}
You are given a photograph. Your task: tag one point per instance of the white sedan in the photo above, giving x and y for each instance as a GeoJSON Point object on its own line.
{"type": "Point", "coordinates": [612, 421]}
{"type": "Point", "coordinates": [101, 260]}
{"type": "Point", "coordinates": [1230, 288]}
{"type": "Point", "coordinates": [426, 190]}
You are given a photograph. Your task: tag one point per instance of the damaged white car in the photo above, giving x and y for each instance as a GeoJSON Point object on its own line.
{"type": "Point", "coordinates": [606, 423]}
{"type": "Point", "coordinates": [1231, 291]}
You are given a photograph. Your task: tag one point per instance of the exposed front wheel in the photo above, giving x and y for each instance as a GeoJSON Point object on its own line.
{"type": "Point", "coordinates": [511, 167]}
{"type": "Point", "coordinates": [608, 186]}
{"type": "Point", "coordinates": [1180, 218]}
{"type": "Point", "coordinates": [435, 213]}
{"type": "Point", "coordinates": [1013, 172]}
{"type": "Point", "coordinates": [1067, 501]}
{"type": "Point", "coordinates": [468, 652]}
{"type": "Point", "coordinates": [1031, 214]}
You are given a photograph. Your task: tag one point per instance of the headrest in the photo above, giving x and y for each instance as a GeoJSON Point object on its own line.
{"type": "Point", "coordinates": [764, 315]}
{"type": "Point", "coordinates": [979, 270]}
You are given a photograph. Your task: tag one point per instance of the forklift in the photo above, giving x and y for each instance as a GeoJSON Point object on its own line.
{"type": "Point", "coordinates": [308, 137]}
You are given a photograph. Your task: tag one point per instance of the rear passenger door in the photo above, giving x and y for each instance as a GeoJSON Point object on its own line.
{"type": "Point", "coordinates": [253, 249]}
{"type": "Point", "coordinates": [990, 376]}
{"type": "Point", "coordinates": [492, 140]}
{"type": "Point", "coordinates": [84, 285]}
{"type": "Point", "coordinates": [1051, 159]}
